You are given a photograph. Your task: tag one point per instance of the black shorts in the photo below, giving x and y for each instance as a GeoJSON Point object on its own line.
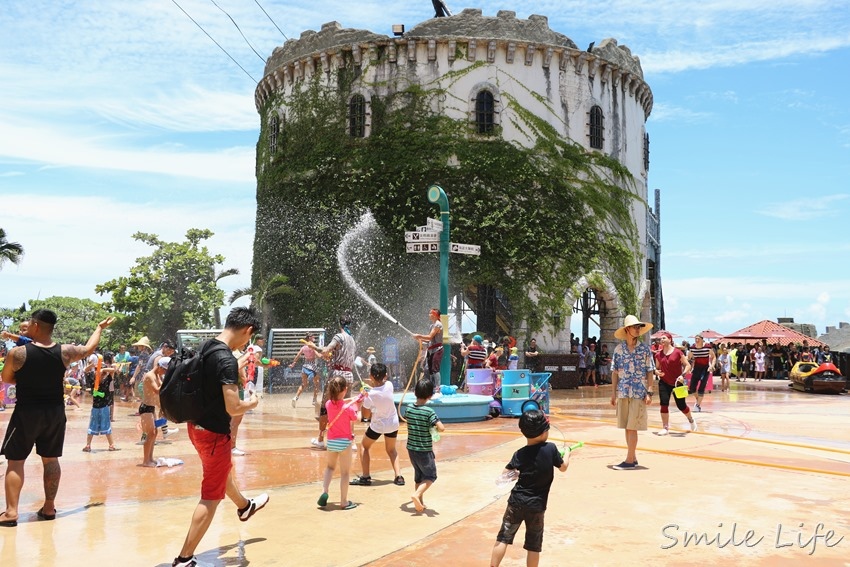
{"type": "Point", "coordinates": [144, 408]}
{"type": "Point", "coordinates": [424, 465]}
{"type": "Point", "coordinates": [42, 427]}
{"type": "Point", "coordinates": [516, 515]}
{"type": "Point", "coordinates": [374, 435]}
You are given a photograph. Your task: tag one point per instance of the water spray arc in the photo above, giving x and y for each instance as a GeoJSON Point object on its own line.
{"type": "Point", "coordinates": [366, 223]}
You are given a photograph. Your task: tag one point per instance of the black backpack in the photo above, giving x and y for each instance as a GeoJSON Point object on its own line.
{"type": "Point", "coordinates": [181, 396]}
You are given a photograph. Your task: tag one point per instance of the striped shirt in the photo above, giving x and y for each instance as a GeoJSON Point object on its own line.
{"type": "Point", "coordinates": [701, 355]}
{"type": "Point", "coordinates": [420, 420]}
{"type": "Point", "coordinates": [345, 353]}
{"type": "Point", "coordinates": [476, 356]}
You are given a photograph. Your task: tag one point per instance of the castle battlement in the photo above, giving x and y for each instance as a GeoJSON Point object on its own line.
{"type": "Point", "coordinates": [465, 38]}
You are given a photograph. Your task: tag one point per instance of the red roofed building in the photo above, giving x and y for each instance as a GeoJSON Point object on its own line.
{"type": "Point", "coordinates": [772, 332]}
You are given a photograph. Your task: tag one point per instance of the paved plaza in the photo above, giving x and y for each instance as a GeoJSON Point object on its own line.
{"type": "Point", "coordinates": [764, 481]}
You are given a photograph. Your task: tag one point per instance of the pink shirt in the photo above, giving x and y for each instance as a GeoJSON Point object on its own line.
{"type": "Point", "coordinates": [340, 428]}
{"type": "Point", "coordinates": [308, 353]}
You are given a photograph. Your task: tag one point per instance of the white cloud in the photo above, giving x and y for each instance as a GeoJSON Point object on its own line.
{"type": "Point", "coordinates": [806, 209]}
{"type": "Point", "coordinates": [44, 143]}
{"type": "Point", "coordinates": [72, 244]}
{"type": "Point", "coordinates": [663, 112]}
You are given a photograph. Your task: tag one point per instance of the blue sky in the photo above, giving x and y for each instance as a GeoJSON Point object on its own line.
{"type": "Point", "coordinates": [117, 117]}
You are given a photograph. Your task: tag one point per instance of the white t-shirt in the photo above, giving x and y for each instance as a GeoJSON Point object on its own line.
{"type": "Point", "coordinates": [380, 401]}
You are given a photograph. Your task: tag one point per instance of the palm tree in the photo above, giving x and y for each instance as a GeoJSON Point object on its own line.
{"type": "Point", "coordinates": [218, 276]}
{"type": "Point", "coordinates": [276, 285]}
{"type": "Point", "coordinates": [9, 251]}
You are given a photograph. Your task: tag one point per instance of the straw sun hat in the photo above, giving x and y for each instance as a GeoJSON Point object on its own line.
{"type": "Point", "coordinates": [628, 322]}
{"type": "Point", "coordinates": [143, 342]}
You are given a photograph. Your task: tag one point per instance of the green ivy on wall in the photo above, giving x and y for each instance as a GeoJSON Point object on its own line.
{"type": "Point", "coordinates": [543, 215]}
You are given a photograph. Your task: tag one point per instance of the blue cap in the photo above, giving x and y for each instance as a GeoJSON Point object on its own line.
{"type": "Point", "coordinates": [478, 339]}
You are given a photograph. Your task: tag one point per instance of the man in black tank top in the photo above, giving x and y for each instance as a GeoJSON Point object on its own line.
{"type": "Point", "coordinates": [38, 421]}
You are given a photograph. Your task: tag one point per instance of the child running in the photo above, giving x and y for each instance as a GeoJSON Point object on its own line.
{"type": "Point", "coordinates": [535, 464]}
{"type": "Point", "coordinates": [384, 422]}
{"type": "Point", "coordinates": [420, 419]}
{"type": "Point", "coordinates": [100, 422]}
{"type": "Point", "coordinates": [341, 412]}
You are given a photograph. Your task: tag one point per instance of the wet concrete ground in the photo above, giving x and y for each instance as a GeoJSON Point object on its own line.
{"type": "Point", "coordinates": [763, 482]}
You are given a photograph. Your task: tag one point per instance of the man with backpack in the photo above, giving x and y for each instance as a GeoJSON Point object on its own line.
{"type": "Point", "coordinates": [210, 434]}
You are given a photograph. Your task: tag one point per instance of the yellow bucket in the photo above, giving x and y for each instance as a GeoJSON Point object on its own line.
{"type": "Point", "coordinates": [680, 391]}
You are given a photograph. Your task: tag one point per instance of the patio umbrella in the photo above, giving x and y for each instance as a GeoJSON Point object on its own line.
{"type": "Point", "coordinates": [657, 334]}
{"type": "Point", "coordinates": [710, 335]}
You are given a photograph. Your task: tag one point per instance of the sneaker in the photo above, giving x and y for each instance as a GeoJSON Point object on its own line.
{"type": "Point", "coordinates": [624, 466]}
{"type": "Point", "coordinates": [323, 499]}
{"type": "Point", "coordinates": [399, 481]}
{"type": "Point", "coordinates": [169, 431]}
{"type": "Point", "coordinates": [190, 563]}
{"type": "Point", "coordinates": [237, 452]}
{"type": "Point", "coordinates": [316, 444]}
{"type": "Point", "coordinates": [698, 407]}
{"type": "Point", "coordinates": [664, 431]}
{"type": "Point", "coordinates": [254, 505]}
{"type": "Point", "coordinates": [294, 401]}
{"type": "Point", "coordinates": [354, 446]}
{"type": "Point", "coordinates": [694, 425]}
{"type": "Point", "coordinates": [361, 481]}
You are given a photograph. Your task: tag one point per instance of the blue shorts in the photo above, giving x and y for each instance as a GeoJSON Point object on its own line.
{"type": "Point", "coordinates": [338, 445]}
{"type": "Point", "coordinates": [308, 371]}
{"type": "Point", "coordinates": [100, 424]}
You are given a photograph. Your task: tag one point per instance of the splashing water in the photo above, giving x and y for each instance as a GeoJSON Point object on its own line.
{"type": "Point", "coordinates": [367, 222]}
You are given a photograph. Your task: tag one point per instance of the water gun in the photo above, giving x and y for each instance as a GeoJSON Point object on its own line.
{"type": "Point", "coordinates": [251, 369]}
{"type": "Point", "coordinates": [572, 448]}
{"type": "Point", "coordinates": [269, 362]}
{"type": "Point", "coordinates": [98, 374]}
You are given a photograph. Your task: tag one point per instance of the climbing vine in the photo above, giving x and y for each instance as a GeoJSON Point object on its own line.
{"type": "Point", "coordinates": [544, 215]}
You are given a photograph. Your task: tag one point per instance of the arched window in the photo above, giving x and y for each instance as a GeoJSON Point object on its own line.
{"type": "Point", "coordinates": [274, 128]}
{"type": "Point", "coordinates": [597, 128]}
{"type": "Point", "coordinates": [485, 112]}
{"type": "Point", "coordinates": [646, 152]}
{"type": "Point", "coordinates": [357, 116]}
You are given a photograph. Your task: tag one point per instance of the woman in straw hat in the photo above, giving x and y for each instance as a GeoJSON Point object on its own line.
{"type": "Point", "coordinates": [143, 351]}
{"type": "Point", "coordinates": [632, 370]}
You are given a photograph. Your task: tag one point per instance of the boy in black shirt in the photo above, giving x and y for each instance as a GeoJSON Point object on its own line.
{"type": "Point", "coordinates": [534, 464]}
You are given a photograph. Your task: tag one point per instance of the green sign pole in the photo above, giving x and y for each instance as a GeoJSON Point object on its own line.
{"type": "Point", "coordinates": [438, 196]}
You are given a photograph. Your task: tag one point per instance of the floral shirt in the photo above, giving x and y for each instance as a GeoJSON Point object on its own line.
{"type": "Point", "coordinates": [631, 368]}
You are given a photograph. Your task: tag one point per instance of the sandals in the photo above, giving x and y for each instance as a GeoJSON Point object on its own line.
{"type": "Point", "coordinates": [399, 481]}
{"type": "Point", "coordinates": [350, 506]}
{"type": "Point", "coordinates": [42, 516]}
{"type": "Point", "coordinates": [8, 523]}
{"type": "Point", "coordinates": [114, 448]}
{"type": "Point", "coordinates": [361, 481]}
{"type": "Point", "coordinates": [86, 449]}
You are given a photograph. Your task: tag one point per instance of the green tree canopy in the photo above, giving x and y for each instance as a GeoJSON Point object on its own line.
{"type": "Point", "coordinates": [9, 251]}
{"type": "Point", "coordinates": [173, 288]}
{"type": "Point", "coordinates": [76, 319]}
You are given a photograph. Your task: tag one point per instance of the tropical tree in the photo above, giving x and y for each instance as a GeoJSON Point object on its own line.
{"type": "Point", "coordinates": [260, 293]}
{"type": "Point", "coordinates": [9, 251]}
{"type": "Point", "coordinates": [219, 276]}
{"type": "Point", "coordinates": [76, 319]}
{"type": "Point", "coordinates": [173, 288]}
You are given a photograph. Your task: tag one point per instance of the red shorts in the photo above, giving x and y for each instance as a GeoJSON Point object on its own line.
{"type": "Point", "coordinates": [214, 450]}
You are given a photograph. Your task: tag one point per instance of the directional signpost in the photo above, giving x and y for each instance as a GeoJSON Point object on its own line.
{"type": "Point", "coordinates": [413, 247]}
{"type": "Point", "coordinates": [434, 237]}
{"type": "Point", "coordinates": [473, 249]}
{"type": "Point", "coordinates": [421, 236]}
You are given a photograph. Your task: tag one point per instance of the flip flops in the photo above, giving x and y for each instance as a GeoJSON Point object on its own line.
{"type": "Point", "coordinates": [46, 517]}
{"type": "Point", "coordinates": [350, 506]}
{"type": "Point", "coordinates": [7, 523]}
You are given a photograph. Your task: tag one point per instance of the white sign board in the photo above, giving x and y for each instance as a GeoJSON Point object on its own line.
{"type": "Point", "coordinates": [473, 249]}
{"type": "Point", "coordinates": [421, 236]}
{"type": "Point", "coordinates": [425, 247]}
{"type": "Point", "coordinates": [434, 224]}
{"type": "Point", "coordinates": [424, 228]}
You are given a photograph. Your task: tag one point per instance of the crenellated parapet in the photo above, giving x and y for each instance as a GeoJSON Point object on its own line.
{"type": "Point", "coordinates": [467, 37]}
